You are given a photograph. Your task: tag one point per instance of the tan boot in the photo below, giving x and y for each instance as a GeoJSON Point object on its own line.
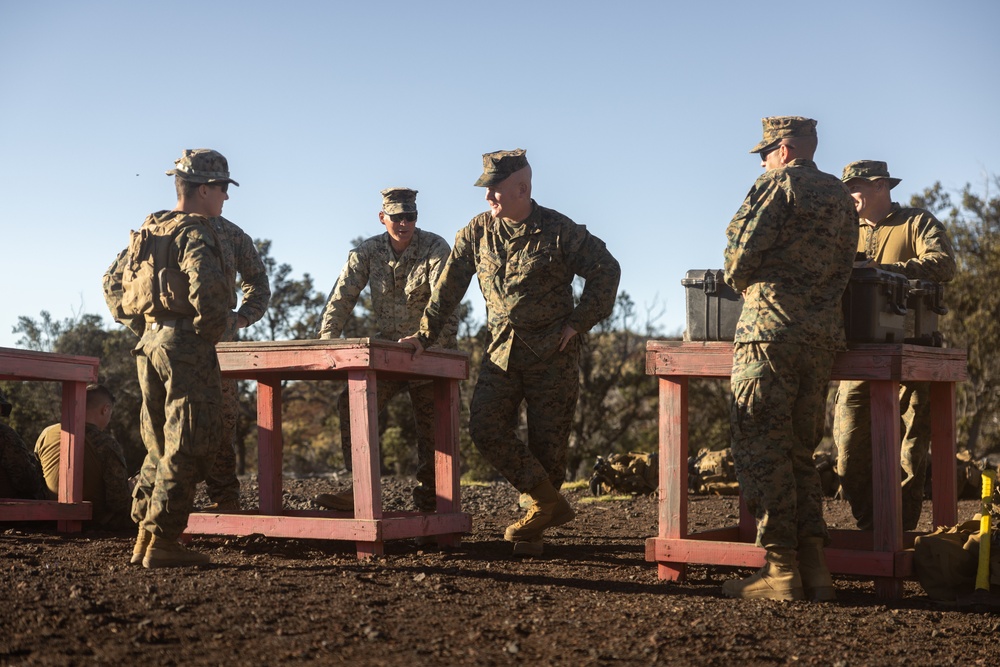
{"type": "Point", "coordinates": [343, 501]}
{"type": "Point", "coordinates": [141, 544]}
{"type": "Point", "coordinates": [164, 552]}
{"type": "Point", "coordinates": [817, 584]}
{"type": "Point", "coordinates": [778, 580]}
{"type": "Point", "coordinates": [549, 510]}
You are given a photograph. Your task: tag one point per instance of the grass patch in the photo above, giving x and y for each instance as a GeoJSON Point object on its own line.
{"type": "Point", "coordinates": [605, 499]}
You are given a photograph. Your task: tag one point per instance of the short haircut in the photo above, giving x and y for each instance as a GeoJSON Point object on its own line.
{"type": "Point", "coordinates": [97, 393]}
{"type": "Point", "coordinates": [185, 188]}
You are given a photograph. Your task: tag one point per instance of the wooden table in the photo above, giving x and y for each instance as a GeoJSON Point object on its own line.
{"type": "Point", "coordinates": [74, 373]}
{"type": "Point", "coordinates": [360, 361]}
{"type": "Point", "coordinates": [882, 552]}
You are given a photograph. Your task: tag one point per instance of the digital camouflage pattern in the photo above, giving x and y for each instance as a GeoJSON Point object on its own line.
{"type": "Point", "coordinates": [910, 241]}
{"type": "Point", "coordinates": [636, 473]}
{"type": "Point", "coordinates": [178, 370]}
{"type": "Point", "coordinates": [713, 472]}
{"type": "Point", "coordinates": [400, 287]}
{"type": "Point", "coordinates": [499, 165]}
{"type": "Point", "coordinates": [239, 256]}
{"type": "Point", "coordinates": [870, 170]}
{"type": "Point", "coordinates": [777, 420]}
{"type": "Point", "coordinates": [790, 251]}
{"type": "Point", "coordinates": [105, 476]}
{"type": "Point", "coordinates": [202, 165]}
{"type": "Point", "coordinates": [399, 200]}
{"type": "Point", "coordinates": [776, 128]}
{"type": "Point", "coordinates": [549, 388]}
{"type": "Point", "coordinates": [526, 273]}
{"type": "Point", "coordinates": [20, 472]}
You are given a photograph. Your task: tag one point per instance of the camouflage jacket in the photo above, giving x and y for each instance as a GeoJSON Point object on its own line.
{"type": "Point", "coordinates": [790, 251]}
{"type": "Point", "coordinates": [198, 256]}
{"type": "Point", "coordinates": [400, 287]}
{"type": "Point", "coordinates": [526, 274]}
{"type": "Point", "coordinates": [105, 477]}
{"type": "Point", "coordinates": [20, 472]}
{"type": "Point", "coordinates": [239, 255]}
{"type": "Point", "coordinates": [910, 241]}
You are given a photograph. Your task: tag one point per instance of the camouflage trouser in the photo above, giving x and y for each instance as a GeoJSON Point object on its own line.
{"type": "Point", "coordinates": [422, 401]}
{"type": "Point", "coordinates": [549, 389]}
{"type": "Point", "coordinates": [222, 484]}
{"type": "Point", "coordinates": [778, 413]}
{"type": "Point", "coordinates": [20, 472]}
{"type": "Point", "coordinates": [852, 431]}
{"type": "Point", "coordinates": [181, 424]}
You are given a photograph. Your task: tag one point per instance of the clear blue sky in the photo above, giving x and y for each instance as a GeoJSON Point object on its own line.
{"type": "Point", "coordinates": [637, 118]}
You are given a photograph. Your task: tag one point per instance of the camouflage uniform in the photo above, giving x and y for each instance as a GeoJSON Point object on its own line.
{"type": "Point", "coordinates": [526, 273]}
{"type": "Point", "coordinates": [105, 477]}
{"type": "Point", "coordinates": [910, 241]}
{"type": "Point", "coordinates": [20, 473]}
{"type": "Point", "coordinates": [790, 250]}
{"type": "Point", "coordinates": [400, 288]}
{"type": "Point", "coordinates": [239, 254]}
{"type": "Point", "coordinates": [178, 370]}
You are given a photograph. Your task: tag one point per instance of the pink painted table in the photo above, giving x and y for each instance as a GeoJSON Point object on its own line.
{"type": "Point", "coordinates": [360, 361]}
{"type": "Point", "coordinates": [882, 552]}
{"type": "Point", "coordinates": [74, 372]}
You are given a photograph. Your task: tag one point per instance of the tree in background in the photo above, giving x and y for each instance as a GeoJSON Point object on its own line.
{"type": "Point", "coordinates": [973, 301]}
{"type": "Point", "coordinates": [37, 404]}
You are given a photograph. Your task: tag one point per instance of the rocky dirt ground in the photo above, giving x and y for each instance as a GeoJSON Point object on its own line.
{"type": "Point", "coordinates": [592, 599]}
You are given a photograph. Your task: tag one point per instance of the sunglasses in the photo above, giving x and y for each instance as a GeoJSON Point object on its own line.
{"type": "Point", "coordinates": [400, 217]}
{"type": "Point", "coordinates": [222, 186]}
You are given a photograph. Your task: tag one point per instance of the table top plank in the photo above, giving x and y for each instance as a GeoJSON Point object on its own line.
{"type": "Point", "coordinates": [17, 364]}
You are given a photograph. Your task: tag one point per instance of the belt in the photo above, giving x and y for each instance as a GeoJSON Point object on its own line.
{"type": "Point", "coordinates": [180, 323]}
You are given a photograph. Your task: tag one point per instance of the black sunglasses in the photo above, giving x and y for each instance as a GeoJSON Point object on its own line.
{"type": "Point", "coordinates": [222, 186]}
{"type": "Point", "coordinates": [399, 217]}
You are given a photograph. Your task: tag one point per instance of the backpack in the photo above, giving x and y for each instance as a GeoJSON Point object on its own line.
{"type": "Point", "coordinates": [946, 561]}
{"type": "Point", "coordinates": [152, 282]}
{"type": "Point", "coordinates": [635, 473]}
{"type": "Point", "coordinates": [713, 471]}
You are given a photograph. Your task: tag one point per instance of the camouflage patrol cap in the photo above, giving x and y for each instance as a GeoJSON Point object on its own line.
{"type": "Point", "coordinates": [399, 200]}
{"type": "Point", "coordinates": [777, 128]}
{"type": "Point", "coordinates": [870, 170]}
{"type": "Point", "coordinates": [202, 165]}
{"type": "Point", "coordinates": [499, 165]}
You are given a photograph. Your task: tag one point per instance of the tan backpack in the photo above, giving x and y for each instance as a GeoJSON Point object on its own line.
{"type": "Point", "coordinates": [635, 473]}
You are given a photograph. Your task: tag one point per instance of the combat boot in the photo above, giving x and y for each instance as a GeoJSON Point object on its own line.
{"type": "Point", "coordinates": [778, 580]}
{"type": "Point", "coordinates": [529, 547]}
{"type": "Point", "coordinates": [164, 552]}
{"type": "Point", "coordinates": [343, 501]}
{"type": "Point", "coordinates": [141, 544]}
{"type": "Point", "coordinates": [817, 584]}
{"type": "Point", "coordinates": [548, 510]}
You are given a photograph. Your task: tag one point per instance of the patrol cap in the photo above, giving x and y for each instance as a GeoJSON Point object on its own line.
{"type": "Point", "coordinates": [870, 170]}
{"type": "Point", "coordinates": [399, 200]}
{"type": "Point", "coordinates": [497, 166]}
{"type": "Point", "coordinates": [777, 128]}
{"type": "Point", "coordinates": [202, 165]}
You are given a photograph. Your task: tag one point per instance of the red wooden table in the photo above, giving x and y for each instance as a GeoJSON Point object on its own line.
{"type": "Point", "coordinates": [882, 552]}
{"type": "Point", "coordinates": [360, 361]}
{"type": "Point", "coordinates": [74, 373]}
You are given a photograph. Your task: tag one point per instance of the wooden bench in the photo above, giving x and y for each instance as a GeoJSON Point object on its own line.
{"type": "Point", "coordinates": [74, 372]}
{"type": "Point", "coordinates": [882, 552]}
{"type": "Point", "coordinates": [360, 361]}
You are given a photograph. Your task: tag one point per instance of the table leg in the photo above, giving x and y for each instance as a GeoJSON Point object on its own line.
{"type": "Point", "coordinates": [74, 428]}
{"type": "Point", "coordinates": [673, 487]}
{"type": "Point", "coordinates": [886, 496]}
{"type": "Point", "coordinates": [944, 492]}
{"type": "Point", "coordinates": [447, 470]}
{"type": "Point", "coordinates": [269, 446]}
{"type": "Point", "coordinates": [363, 393]}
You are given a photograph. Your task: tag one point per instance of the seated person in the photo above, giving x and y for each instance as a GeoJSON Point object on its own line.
{"type": "Point", "coordinates": [20, 474]}
{"type": "Point", "coordinates": [105, 480]}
